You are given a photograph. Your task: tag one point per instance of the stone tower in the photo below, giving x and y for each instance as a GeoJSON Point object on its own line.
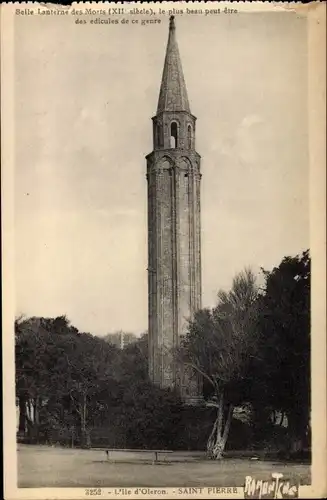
{"type": "Point", "coordinates": [174, 250]}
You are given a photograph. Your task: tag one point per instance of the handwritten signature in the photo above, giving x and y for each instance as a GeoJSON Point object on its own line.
{"type": "Point", "coordinates": [276, 488]}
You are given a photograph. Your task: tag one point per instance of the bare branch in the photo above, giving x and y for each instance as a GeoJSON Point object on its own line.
{"type": "Point", "coordinates": [195, 367]}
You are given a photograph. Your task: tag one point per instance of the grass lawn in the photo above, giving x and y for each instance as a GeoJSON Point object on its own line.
{"type": "Point", "coordinates": [43, 466]}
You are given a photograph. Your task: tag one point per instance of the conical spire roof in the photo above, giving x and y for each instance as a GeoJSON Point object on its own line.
{"type": "Point", "coordinates": [173, 93]}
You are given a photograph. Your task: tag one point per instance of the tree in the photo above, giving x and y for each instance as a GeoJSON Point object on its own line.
{"type": "Point", "coordinates": [62, 371]}
{"type": "Point", "coordinates": [285, 345]}
{"type": "Point", "coordinates": [147, 415]}
{"type": "Point", "coordinates": [219, 346]}
{"type": "Point", "coordinates": [132, 361]}
{"type": "Point", "coordinates": [150, 415]}
{"type": "Point", "coordinates": [32, 353]}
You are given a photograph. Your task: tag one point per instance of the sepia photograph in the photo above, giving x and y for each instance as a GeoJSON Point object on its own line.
{"type": "Point", "coordinates": [162, 243]}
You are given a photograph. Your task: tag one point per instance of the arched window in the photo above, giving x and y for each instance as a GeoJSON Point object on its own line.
{"type": "Point", "coordinates": [173, 135]}
{"type": "Point", "coordinates": [189, 137]}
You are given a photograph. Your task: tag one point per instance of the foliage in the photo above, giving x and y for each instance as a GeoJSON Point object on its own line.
{"type": "Point", "coordinates": [132, 362]}
{"type": "Point", "coordinates": [60, 371]}
{"type": "Point", "coordinates": [76, 381]}
{"type": "Point", "coordinates": [150, 416]}
{"type": "Point", "coordinates": [219, 346]}
{"type": "Point", "coordinates": [252, 350]}
{"type": "Point", "coordinates": [283, 375]}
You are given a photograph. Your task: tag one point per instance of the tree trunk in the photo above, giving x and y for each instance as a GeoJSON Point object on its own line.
{"type": "Point", "coordinates": [282, 418]}
{"type": "Point", "coordinates": [36, 417]}
{"type": "Point", "coordinates": [22, 416]}
{"type": "Point", "coordinates": [298, 432]}
{"type": "Point", "coordinates": [73, 436]}
{"type": "Point", "coordinates": [211, 440]}
{"type": "Point", "coordinates": [85, 435]}
{"type": "Point", "coordinates": [219, 434]}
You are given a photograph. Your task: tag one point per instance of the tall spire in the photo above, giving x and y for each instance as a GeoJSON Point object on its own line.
{"type": "Point", "coordinates": [173, 93]}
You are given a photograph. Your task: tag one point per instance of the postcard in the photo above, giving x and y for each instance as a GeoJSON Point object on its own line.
{"type": "Point", "coordinates": [164, 273]}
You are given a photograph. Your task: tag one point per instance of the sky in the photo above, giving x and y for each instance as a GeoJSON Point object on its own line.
{"type": "Point", "coordinates": [84, 98]}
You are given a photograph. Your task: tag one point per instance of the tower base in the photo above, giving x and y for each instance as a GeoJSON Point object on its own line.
{"type": "Point", "coordinates": [190, 387]}
{"type": "Point", "coordinates": [194, 401]}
